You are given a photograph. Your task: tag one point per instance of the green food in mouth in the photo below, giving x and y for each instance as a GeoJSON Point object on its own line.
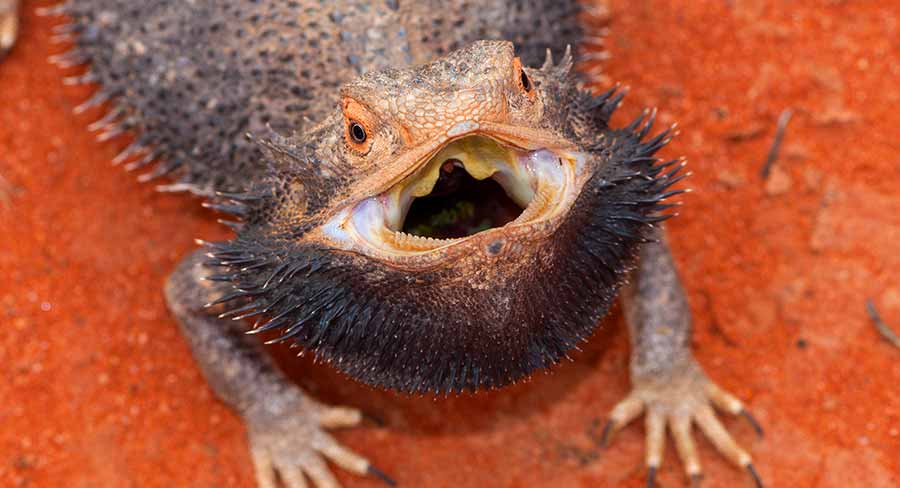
{"type": "Point", "coordinates": [451, 221]}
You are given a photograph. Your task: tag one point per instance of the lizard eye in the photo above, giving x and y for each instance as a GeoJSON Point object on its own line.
{"type": "Point", "coordinates": [526, 83]}
{"type": "Point", "coordinates": [357, 132]}
{"type": "Point", "coordinates": [358, 123]}
{"type": "Point", "coordinates": [523, 80]}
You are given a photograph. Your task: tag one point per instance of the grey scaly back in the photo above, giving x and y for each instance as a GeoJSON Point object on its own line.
{"type": "Point", "coordinates": [191, 79]}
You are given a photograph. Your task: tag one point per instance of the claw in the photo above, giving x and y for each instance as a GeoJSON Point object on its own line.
{"type": "Point", "coordinates": [377, 421]}
{"type": "Point", "coordinates": [750, 418]}
{"type": "Point", "coordinates": [696, 480]}
{"type": "Point", "coordinates": [651, 477]}
{"type": "Point", "coordinates": [607, 431]}
{"type": "Point", "coordinates": [753, 474]}
{"type": "Point", "coordinates": [880, 324]}
{"type": "Point", "coordinates": [622, 414]}
{"type": "Point", "coordinates": [373, 471]}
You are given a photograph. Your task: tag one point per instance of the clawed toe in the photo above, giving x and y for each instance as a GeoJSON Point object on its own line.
{"type": "Point", "coordinates": [656, 432]}
{"type": "Point", "coordinates": [622, 414]}
{"type": "Point", "coordinates": [696, 479]}
{"type": "Point", "coordinates": [651, 476]}
{"type": "Point", "coordinates": [294, 468]}
{"type": "Point", "coordinates": [373, 471]}
{"type": "Point", "coordinates": [340, 417]}
{"type": "Point", "coordinates": [681, 407]}
{"type": "Point", "coordinates": [752, 421]}
{"type": "Point", "coordinates": [605, 434]}
{"type": "Point", "coordinates": [680, 426]}
{"type": "Point", "coordinates": [753, 474]}
{"type": "Point", "coordinates": [291, 442]}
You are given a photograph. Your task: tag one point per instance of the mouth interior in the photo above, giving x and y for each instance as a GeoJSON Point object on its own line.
{"type": "Point", "coordinates": [473, 184]}
{"type": "Point", "coordinates": [460, 205]}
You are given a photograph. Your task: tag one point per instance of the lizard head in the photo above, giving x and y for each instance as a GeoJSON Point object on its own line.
{"type": "Point", "coordinates": [450, 226]}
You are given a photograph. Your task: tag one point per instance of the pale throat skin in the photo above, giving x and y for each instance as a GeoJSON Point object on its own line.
{"type": "Point", "coordinates": [387, 102]}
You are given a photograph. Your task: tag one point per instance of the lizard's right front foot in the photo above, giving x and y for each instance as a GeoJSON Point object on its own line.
{"type": "Point", "coordinates": [680, 400]}
{"type": "Point", "coordinates": [9, 25]}
{"type": "Point", "coordinates": [287, 436]}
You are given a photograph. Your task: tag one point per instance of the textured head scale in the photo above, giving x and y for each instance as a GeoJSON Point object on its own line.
{"type": "Point", "coordinates": [483, 311]}
{"type": "Point", "coordinates": [464, 85]}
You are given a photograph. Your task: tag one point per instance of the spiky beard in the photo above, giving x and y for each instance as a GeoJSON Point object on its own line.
{"type": "Point", "coordinates": [425, 332]}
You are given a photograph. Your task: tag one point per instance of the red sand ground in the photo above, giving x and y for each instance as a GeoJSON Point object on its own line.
{"type": "Point", "coordinates": [100, 390]}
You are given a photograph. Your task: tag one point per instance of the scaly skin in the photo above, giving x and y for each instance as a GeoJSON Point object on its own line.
{"type": "Point", "coordinates": [371, 92]}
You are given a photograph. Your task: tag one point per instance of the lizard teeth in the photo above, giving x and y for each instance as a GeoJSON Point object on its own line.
{"type": "Point", "coordinates": [418, 243]}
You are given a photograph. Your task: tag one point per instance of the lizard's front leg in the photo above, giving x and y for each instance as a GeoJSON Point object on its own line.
{"type": "Point", "coordinates": [286, 428]}
{"type": "Point", "coordinates": [9, 25]}
{"type": "Point", "coordinates": [669, 386]}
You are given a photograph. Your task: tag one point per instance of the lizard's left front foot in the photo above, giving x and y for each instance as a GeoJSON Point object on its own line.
{"type": "Point", "coordinates": [9, 25]}
{"type": "Point", "coordinates": [684, 398]}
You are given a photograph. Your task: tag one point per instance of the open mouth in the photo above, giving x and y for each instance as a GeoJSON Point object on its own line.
{"type": "Point", "coordinates": [472, 185]}
{"type": "Point", "coordinates": [460, 205]}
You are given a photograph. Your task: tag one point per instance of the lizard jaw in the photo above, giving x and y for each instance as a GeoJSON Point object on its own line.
{"type": "Point", "coordinates": [542, 182]}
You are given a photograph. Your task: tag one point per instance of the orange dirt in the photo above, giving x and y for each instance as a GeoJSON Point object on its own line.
{"type": "Point", "coordinates": [100, 390]}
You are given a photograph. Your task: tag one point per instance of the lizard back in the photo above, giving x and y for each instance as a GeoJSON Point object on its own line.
{"type": "Point", "coordinates": [191, 79]}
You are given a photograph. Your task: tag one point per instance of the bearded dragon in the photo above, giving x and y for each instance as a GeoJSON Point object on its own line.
{"type": "Point", "coordinates": [424, 209]}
